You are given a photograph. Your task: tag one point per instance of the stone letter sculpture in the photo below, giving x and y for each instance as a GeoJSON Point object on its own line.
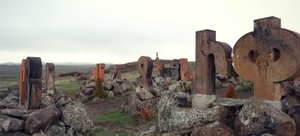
{"type": "Point", "coordinates": [267, 56]}
{"type": "Point", "coordinates": [144, 67]}
{"type": "Point", "coordinates": [211, 57]}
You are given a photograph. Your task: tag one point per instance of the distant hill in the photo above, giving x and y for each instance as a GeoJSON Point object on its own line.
{"type": "Point", "coordinates": [14, 69]}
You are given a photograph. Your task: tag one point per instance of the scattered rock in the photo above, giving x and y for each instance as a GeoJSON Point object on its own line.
{"type": "Point", "coordinates": [159, 81]}
{"type": "Point", "coordinates": [9, 124]}
{"type": "Point", "coordinates": [108, 85]}
{"type": "Point", "coordinates": [47, 100]}
{"type": "Point", "coordinates": [131, 100]}
{"type": "Point", "coordinates": [91, 85]}
{"type": "Point", "coordinates": [174, 119]}
{"type": "Point", "coordinates": [294, 113]}
{"type": "Point", "coordinates": [258, 117]}
{"type": "Point", "coordinates": [74, 115]}
{"type": "Point", "coordinates": [18, 133]}
{"type": "Point", "coordinates": [127, 86]}
{"type": "Point", "coordinates": [228, 102]}
{"type": "Point", "coordinates": [16, 113]}
{"type": "Point", "coordinates": [117, 89]}
{"type": "Point", "coordinates": [110, 94]}
{"type": "Point", "coordinates": [144, 94]}
{"type": "Point", "coordinates": [177, 86]}
{"type": "Point", "coordinates": [149, 132]}
{"type": "Point", "coordinates": [213, 129]}
{"type": "Point", "coordinates": [41, 119]}
{"type": "Point", "coordinates": [88, 91]}
{"type": "Point", "coordinates": [62, 101]}
{"type": "Point", "coordinates": [11, 99]}
{"type": "Point", "coordinates": [57, 129]}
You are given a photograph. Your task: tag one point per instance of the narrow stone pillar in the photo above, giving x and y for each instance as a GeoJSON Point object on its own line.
{"type": "Point", "coordinates": [183, 68]}
{"type": "Point", "coordinates": [33, 83]}
{"type": "Point", "coordinates": [22, 83]}
{"type": "Point", "coordinates": [100, 68]}
{"type": "Point", "coordinates": [144, 67]}
{"type": "Point", "coordinates": [50, 78]}
{"type": "Point", "coordinates": [115, 72]}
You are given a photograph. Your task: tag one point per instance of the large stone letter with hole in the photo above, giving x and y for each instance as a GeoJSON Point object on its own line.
{"type": "Point", "coordinates": [33, 83]}
{"type": "Point", "coordinates": [144, 67]}
{"type": "Point", "coordinates": [211, 57]}
{"type": "Point", "coordinates": [267, 56]}
{"type": "Point", "coordinates": [50, 78]}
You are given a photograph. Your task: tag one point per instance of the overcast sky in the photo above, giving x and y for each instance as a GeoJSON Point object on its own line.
{"type": "Point", "coordinates": [120, 31]}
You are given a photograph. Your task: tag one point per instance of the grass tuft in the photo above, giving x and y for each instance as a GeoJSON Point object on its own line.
{"type": "Point", "coordinates": [116, 117]}
{"type": "Point", "coordinates": [102, 132]}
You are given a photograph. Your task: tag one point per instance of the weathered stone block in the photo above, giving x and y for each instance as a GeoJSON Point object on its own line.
{"type": "Point", "coordinates": [258, 117]}
{"type": "Point", "coordinates": [213, 129]}
{"type": "Point", "coordinates": [9, 124]}
{"type": "Point", "coordinates": [41, 119]}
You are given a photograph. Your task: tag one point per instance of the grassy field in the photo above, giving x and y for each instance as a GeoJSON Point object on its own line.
{"type": "Point", "coordinates": [66, 85]}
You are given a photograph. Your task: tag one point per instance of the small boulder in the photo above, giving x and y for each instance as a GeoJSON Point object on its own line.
{"type": "Point", "coordinates": [16, 113]}
{"type": "Point", "coordinates": [213, 129]}
{"type": "Point", "coordinates": [127, 86]}
{"type": "Point", "coordinates": [144, 94]}
{"type": "Point", "coordinates": [41, 119]}
{"type": "Point", "coordinates": [58, 129]}
{"type": "Point", "coordinates": [149, 132]}
{"type": "Point", "coordinates": [47, 100]}
{"type": "Point", "coordinates": [177, 86]}
{"type": "Point", "coordinates": [294, 113]}
{"type": "Point", "coordinates": [258, 117]}
{"type": "Point", "coordinates": [75, 116]}
{"type": "Point", "coordinates": [91, 85]}
{"type": "Point", "coordinates": [108, 85]}
{"type": "Point", "coordinates": [9, 124]}
{"type": "Point", "coordinates": [171, 118]}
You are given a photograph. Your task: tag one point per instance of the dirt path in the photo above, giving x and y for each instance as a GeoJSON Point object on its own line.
{"type": "Point", "coordinates": [103, 106]}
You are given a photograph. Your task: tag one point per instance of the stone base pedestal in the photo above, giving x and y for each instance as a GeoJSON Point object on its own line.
{"type": "Point", "coordinates": [201, 101]}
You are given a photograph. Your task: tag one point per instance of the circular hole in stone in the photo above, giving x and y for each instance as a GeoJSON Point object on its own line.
{"type": "Point", "coordinates": [276, 54]}
{"type": "Point", "coordinates": [252, 55]}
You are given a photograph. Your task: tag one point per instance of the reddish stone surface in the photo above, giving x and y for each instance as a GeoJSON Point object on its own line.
{"type": "Point", "coordinates": [183, 64]}
{"type": "Point", "coordinates": [22, 83]}
{"type": "Point", "coordinates": [99, 72]}
{"type": "Point", "coordinates": [190, 75]}
{"type": "Point", "coordinates": [267, 56]}
{"type": "Point", "coordinates": [211, 57]}
{"type": "Point", "coordinates": [144, 67]}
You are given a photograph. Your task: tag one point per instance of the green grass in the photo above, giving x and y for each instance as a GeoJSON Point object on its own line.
{"type": "Point", "coordinates": [102, 132]}
{"type": "Point", "coordinates": [8, 81]}
{"type": "Point", "coordinates": [116, 117]}
{"type": "Point", "coordinates": [130, 76]}
{"type": "Point", "coordinates": [66, 84]}
{"type": "Point", "coordinates": [247, 87]}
